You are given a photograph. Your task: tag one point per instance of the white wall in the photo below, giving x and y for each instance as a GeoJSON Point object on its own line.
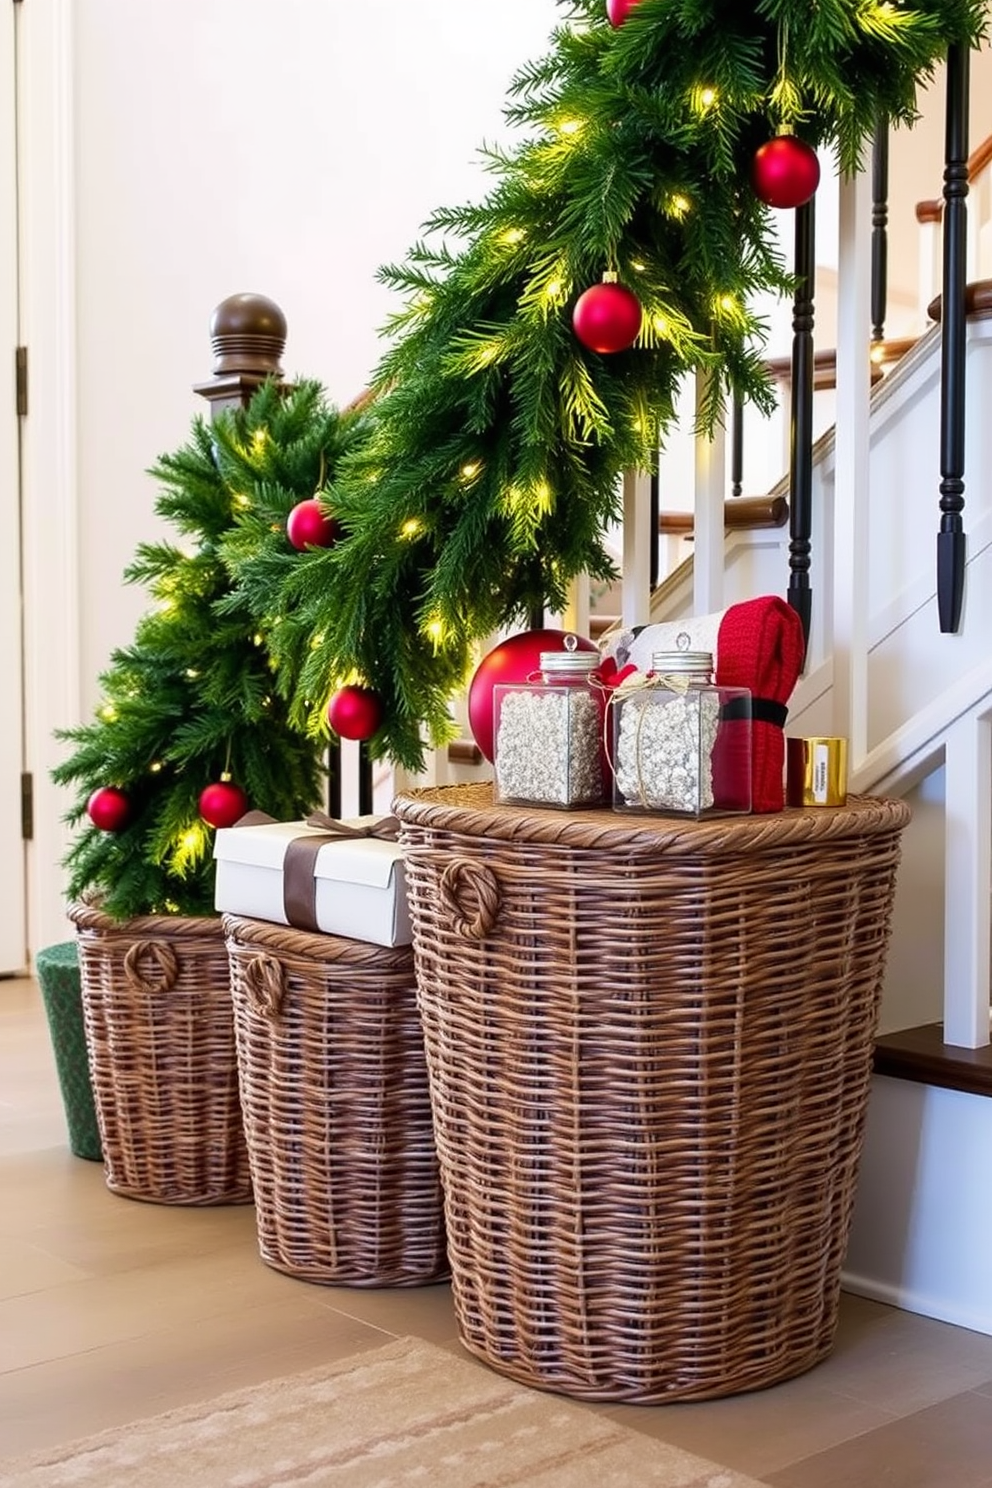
{"type": "Point", "coordinates": [232, 145]}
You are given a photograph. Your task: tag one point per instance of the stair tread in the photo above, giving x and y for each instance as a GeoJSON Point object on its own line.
{"type": "Point", "coordinates": [920, 1054]}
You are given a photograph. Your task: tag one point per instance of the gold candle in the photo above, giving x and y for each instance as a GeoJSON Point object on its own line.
{"type": "Point", "coordinates": [816, 772]}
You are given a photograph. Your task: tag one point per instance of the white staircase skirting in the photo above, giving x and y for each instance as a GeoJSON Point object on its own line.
{"type": "Point", "coordinates": [922, 1226]}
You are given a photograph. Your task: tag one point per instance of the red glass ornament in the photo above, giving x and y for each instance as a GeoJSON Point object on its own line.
{"type": "Point", "coordinates": [619, 10]}
{"type": "Point", "coordinates": [355, 712]}
{"type": "Point", "coordinates": [309, 526]}
{"type": "Point", "coordinates": [607, 317]}
{"type": "Point", "coordinates": [512, 661]}
{"type": "Point", "coordinates": [108, 808]}
{"type": "Point", "coordinates": [785, 172]}
{"type": "Point", "coordinates": [222, 804]}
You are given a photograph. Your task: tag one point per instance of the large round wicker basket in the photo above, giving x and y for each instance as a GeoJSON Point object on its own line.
{"type": "Point", "coordinates": [650, 1047]}
{"type": "Point", "coordinates": [336, 1105]}
{"type": "Point", "coordinates": [160, 1038]}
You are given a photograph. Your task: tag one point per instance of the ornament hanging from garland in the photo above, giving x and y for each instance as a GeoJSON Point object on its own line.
{"type": "Point", "coordinates": [618, 10]}
{"type": "Point", "coordinates": [512, 661]}
{"type": "Point", "coordinates": [607, 316]}
{"type": "Point", "coordinates": [355, 712]}
{"type": "Point", "coordinates": [222, 803]}
{"type": "Point", "coordinates": [309, 526]}
{"type": "Point", "coordinates": [108, 808]}
{"type": "Point", "coordinates": [785, 172]}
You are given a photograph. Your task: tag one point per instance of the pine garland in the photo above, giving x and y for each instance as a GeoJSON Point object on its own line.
{"type": "Point", "coordinates": [195, 696]}
{"type": "Point", "coordinates": [490, 472]}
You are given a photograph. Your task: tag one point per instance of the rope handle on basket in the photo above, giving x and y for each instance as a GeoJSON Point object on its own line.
{"type": "Point", "coordinates": [151, 966]}
{"type": "Point", "coordinates": [469, 891]}
{"type": "Point", "coordinates": [264, 986]}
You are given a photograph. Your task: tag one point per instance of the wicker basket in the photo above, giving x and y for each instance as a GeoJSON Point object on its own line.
{"type": "Point", "coordinates": [650, 1047]}
{"type": "Point", "coordinates": [163, 1065]}
{"type": "Point", "coordinates": [337, 1108]}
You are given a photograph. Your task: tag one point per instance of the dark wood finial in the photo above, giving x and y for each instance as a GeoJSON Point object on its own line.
{"type": "Point", "coordinates": [248, 334]}
{"type": "Point", "coordinates": [248, 337]}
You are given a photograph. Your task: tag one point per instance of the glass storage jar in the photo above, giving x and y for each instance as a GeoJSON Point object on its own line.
{"type": "Point", "coordinates": [548, 745]}
{"type": "Point", "coordinates": [681, 742]}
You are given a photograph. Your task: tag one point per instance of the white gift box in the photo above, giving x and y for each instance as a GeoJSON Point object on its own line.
{"type": "Point", "coordinates": [359, 887]}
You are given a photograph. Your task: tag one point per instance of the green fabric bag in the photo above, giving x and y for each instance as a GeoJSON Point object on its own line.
{"type": "Point", "coordinates": [57, 970]}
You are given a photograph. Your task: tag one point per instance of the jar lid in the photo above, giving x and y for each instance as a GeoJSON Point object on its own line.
{"type": "Point", "coordinates": [682, 661]}
{"type": "Point", "coordinates": [569, 663]}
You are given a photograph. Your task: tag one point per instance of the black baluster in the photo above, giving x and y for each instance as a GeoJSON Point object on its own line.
{"type": "Point", "coordinates": [801, 430]}
{"type": "Point", "coordinates": [737, 445]}
{"type": "Point", "coordinates": [879, 230]}
{"type": "Point", "coordinates": [334, 779]}
{"type": "Point", "coordinates": [951, 541]}
{"type": "Point", "coordinates": [365, 792]}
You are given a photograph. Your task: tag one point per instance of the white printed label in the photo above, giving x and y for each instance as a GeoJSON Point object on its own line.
{"type": "Point", "coordinates": [821, 773]}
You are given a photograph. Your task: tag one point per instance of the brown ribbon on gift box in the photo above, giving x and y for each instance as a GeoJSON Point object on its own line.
{"type": "Point", "coordinates": [299, 886]}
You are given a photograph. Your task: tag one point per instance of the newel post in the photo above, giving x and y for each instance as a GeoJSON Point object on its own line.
{"type": "Point", "coordinates": [248, 337]}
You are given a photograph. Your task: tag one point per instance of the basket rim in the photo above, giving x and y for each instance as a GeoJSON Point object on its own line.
{"type": "Point", "coordinates": [319, 946]}
{"type": "Point", "coordinates": [470, 810]}
{"type": "Point", "coordinates": [92, 917]}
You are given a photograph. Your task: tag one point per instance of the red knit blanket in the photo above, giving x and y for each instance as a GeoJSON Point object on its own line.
{"type": "Point", "coordinates": [757, 644]}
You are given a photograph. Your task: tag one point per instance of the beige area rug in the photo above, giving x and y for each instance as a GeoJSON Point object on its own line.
{"type": "Point", "coordinates": [408, 1415]}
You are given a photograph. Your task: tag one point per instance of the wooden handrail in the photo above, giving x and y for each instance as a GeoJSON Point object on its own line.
{"type": "Point", "coordinates": [977, 302]}
{"type": "Point", "coordinates": [932, 210]}
{"type": "Point", "coordinates": [742, 513]}
{"type": "Point", "coordinates": [883, 354]}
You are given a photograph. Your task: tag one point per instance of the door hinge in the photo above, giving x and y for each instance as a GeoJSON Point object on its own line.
{"type": "Point", "coordinates": [21, 359]}
{"type": "Point", "coordinates": [27, 807]}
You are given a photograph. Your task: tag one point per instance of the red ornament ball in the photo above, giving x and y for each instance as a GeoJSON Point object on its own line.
{"type": "Point", "coordinates": [355, 712]}
{"type": "Point", "coordinates": [309, 526]}
{"type": "Point", "coordinates": [785, 172]}
{"type": "Point", "coordinates": [607, 317]}
{"type": "Point", "coordinates": [222, 804]}
{"type": "Point", "coordinates": [108, 808]}
{"type": "Point", "coordinates": [619, 10]}
{"type": "Point", "coordinates": [513, 660]}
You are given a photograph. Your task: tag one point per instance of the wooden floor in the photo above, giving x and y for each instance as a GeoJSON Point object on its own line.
{"type": "Point", "coordinates": [111, 1310]}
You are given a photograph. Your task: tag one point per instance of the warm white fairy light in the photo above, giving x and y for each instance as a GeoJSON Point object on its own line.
{"type": "Point", "coordinates": [108, 713]}
{"type": "Point", "coordinates": [678, 205]}
{"type": "Point", "coordinates": [411, 528]}
{"type": "Point", "coordinates": [470, 470]}
{"type": "Point", "coordinates": [512, 236]}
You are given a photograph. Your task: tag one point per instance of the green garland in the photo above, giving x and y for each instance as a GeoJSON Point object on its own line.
{"type": "Point", "coordinates": [491, 469]}
{"type": "Point", "coordinates": [195, 698]}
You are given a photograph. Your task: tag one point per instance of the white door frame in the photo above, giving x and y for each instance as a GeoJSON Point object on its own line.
{"type": "Point", "coordinates": [50, 528]}
{"type": "Point", "coordinates": [13, 927]}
